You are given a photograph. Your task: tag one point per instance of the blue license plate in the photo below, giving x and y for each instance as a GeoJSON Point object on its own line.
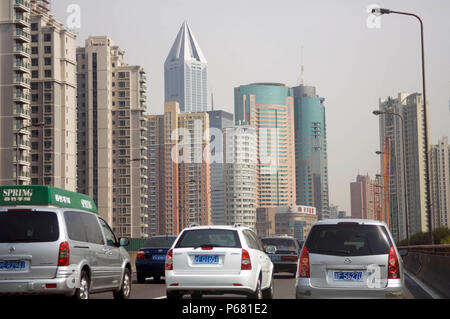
{"type": "Point", "coordinates": [348, 275]}
{"type": "Point", "coordinates": [159, 257]}
{"type": "Point", "coordinates": [275, 258]}
{"type": "Point", "coordinates": [206, 259]}
{"type": "Point", "coordinates": [12, 265]}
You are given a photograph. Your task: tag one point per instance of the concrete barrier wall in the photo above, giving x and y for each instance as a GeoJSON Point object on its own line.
{"type": "Point", "coordinates": [431, 267]}
{"type": "Point", "coordinates": [133, 255]}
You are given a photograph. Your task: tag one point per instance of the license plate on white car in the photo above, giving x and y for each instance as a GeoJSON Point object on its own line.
{"type": "Point", "coordinates": [206, 259]}
{"type": "Point", "coordinates": [12, 265]}
{"type": "Point", "coordinates": [348, 276]}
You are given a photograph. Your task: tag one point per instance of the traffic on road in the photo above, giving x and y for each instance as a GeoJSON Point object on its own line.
{"type": "Point", "coordinates": [53, 242]}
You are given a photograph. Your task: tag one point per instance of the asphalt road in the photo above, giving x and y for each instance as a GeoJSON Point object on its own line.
{"type": "Point", "coordinates": [284, 288]}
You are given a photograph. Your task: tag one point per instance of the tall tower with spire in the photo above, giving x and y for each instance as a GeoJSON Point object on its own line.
{"type": "Point", "coordinates": [185, 73]}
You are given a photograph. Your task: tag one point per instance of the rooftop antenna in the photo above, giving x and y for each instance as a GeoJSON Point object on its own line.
{"type": "Point", "coordinates": [302, 67]}
{"type": "Point", "coordinates": [212, 102]}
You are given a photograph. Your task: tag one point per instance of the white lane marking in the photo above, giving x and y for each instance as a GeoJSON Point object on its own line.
{"type": "Point", "coordinates": [423, 286]}
{"type": "Point", "coordinates": [162, 297]}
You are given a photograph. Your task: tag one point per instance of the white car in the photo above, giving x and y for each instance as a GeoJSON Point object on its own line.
{"type": "Point", "coordinates": [218, 260]}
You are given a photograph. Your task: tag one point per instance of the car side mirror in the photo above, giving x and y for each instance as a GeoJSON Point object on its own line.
{"type": "Point", "coordinates": [403, 252]}
{"type": "Point", "coordinates": [124, 242]}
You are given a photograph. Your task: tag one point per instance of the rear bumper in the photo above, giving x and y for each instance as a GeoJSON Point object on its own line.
{"type": "Point", "coordinates": [150, 268]}
{"type": "Point", "coordinates": [285, 266]}
{"type": "Point", "coordinates": [59, 286]}
{"type": "Point", "coordinates": [243, 282]}
{"type": "Point", "coordinates": [304, 290]}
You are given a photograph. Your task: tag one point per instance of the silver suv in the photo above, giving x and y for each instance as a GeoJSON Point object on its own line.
{"type": "Point", "coordinates": [54, 250]}
{"type": "Point", "coordinates": [349, 258]}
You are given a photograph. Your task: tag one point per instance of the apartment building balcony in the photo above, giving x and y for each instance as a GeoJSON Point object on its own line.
{"type": "Point", "coordinates": [20, 111]}
{"type": "Point", "coordinates": [21, 97]}
{"type": "Point", "coordinates": [21, 66]}
{"type": "Point", "coordinates": [143, 98]}
{"type": "Point", "coordinates": [21, 35]}
{"type": "Point", "coordinates": [21, 50]}
{"type": "Point", "coordinates": [21, 81]}
{"type": "Point", "coordinates": [22, 5]}
{"type": "Point", "coordinates": [22, 19]}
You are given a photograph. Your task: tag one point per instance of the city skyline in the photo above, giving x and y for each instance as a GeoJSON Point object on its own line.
{"type": "Point", "coordinates": [253, 55]}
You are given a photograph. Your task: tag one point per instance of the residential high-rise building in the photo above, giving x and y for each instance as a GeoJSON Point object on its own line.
{"type": "Point", "coordinates": [15, 113]}
{"type": "Point", "coordinates": [240, 175]}
{"type": "Point", "coordinates": [363, 194]}
{"type": "Point", "coordinates": [269, 108]}
{"type": "Point", "coordinates": [311, 150]}
{"type": "Point", "coordinates": [440, 182]}
{"type": "Point", "coordinates": [178, 170]}
{"type": "Point", "coordinates": [38, 97]}
{"type": "Point", "coordinates": [185, 73]}
{"type": "Point", "coordinates": [410, 107]}
{"type": "Point", "coordinates": [112, 150]}
{"type": "Point", "coordinates": [218, 120]}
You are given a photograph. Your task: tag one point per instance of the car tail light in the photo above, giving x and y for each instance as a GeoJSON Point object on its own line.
{"type": "Point", "coordinates": [393, 265]}
{"type": "Point", "coordinates": [303, 265]}
{"type": "Point", "coordinates": [140, 255]}
{"type": "Point", "coordinates": [169, 260]}
{"type": "Point", "coordinates": [246, 263]}
{"type": "Point", "coordinates": [64, 254]}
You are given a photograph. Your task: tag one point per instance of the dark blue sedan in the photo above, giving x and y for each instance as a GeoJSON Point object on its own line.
{"type": "Point", "coordinates": [151, 258]}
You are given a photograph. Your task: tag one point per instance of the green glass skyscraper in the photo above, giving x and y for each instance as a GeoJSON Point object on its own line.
{"type": "Point", "coordinates": [311, 150]}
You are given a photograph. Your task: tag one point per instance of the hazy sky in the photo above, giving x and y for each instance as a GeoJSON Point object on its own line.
{"type": "Point", "coordinates": [246, 41]}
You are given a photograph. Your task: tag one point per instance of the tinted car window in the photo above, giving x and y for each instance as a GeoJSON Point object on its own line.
{"type": "Point", "coordinates": [160, 242]}
{"type": "Point", "coordinates": [75, 226]}
{"type": "Point", "coordinates": [348, 240]}
{"type": "Point", "coordinates": [93, 231]}
{"type": "Point", "coordinates": [280, 243]}
{"type": "Point", "coordinates": [111, 239]}
{"type": "Point", "coordinates": [209, 237]}
{"type": "Point", "coordinates": [28, 227]}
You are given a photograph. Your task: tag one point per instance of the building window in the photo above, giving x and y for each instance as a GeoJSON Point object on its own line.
{"type": "Point", "coordinates": [47, 49]}
{"type": "Point", "coordinates": [47, 61]}
{"type": "Point", "coordinates": [34, 50]}
{"type": "Point", "coordinates": [47, 37]}
{"type": "Point", "coordinates": [48, 73]}
{"type": "Point", "coordinates": [34, 27]}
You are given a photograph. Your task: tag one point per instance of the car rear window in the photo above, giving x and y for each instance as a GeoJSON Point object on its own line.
{"type": "Point", "coordinates": [280, 243]}
{"type": "Point", "coordinates": [160, 242]}
{"type": "Point", "coordinates": [28, 227]}
{"type": "Point", "coordinates": [348, 240]}
{"type": "Point", "coordinates": [209, 237]}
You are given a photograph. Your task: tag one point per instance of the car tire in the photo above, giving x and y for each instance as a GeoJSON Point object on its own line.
{"type": "Point", "coordinates": [82, 292]}
{"type": "Point", "coordinates": [125, 290]}
{"type": "Point", "coordinates": [173, 295]}
{"type": "Point", "coordinates": [268, 293]}
{"type": "Point", "coordinates": [257, 294]}
{"type": "Point", "coordinates": [141, 278]}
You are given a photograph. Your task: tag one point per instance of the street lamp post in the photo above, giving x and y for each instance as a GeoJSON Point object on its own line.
{"type": "Point", "coordinates": [404, 169]}
{"type": "Point", "coordinates": [17, 146]}
{"type": "Point", "coordinates": [381, 11]}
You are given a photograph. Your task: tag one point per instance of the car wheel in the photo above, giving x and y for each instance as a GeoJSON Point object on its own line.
{"type": "Point", "coordinates": [268, 293]}
{"type": "Point", "coordinates": [141, 278]}
{"type": "Point", "coordinates": [125, 290]}
{"type": "Point", "coordinates": [83, 291]}
{"type": "Point", "coordinates": [257, 294]}
{"type": "Point", "coordinates": [173, 295]}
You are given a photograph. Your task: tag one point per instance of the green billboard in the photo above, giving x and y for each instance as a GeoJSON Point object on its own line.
{"type": "Point", "coordinates": [33, 195]}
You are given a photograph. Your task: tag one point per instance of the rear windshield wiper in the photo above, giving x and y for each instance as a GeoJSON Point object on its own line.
{"type": "Point", "coordinates": [344, 252]}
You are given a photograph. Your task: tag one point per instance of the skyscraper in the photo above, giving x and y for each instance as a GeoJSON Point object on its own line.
{"type": "Point", "coordinates": [178, 170]}
{"type": "Point", "coordinates": [240, 175]}
{"type": "Point", "coordinates": [185, 73]}
{"type": "Point", "coordinates": [363, 198]}
{"type": "Point", "coordinates": [410, 107]}
{"type": "Point", "coordinates": [440, 182]}
{"type": "Point", "coordinates": [38, 97]}
{"type": "Point", "coordinates": [218, 120]}
{"type": "Point", "coordinates": [112, 150]}
{"type": "Point", "coordinates": [269, 108]}
{"type": "Point", "coordinates": [311, 150]}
